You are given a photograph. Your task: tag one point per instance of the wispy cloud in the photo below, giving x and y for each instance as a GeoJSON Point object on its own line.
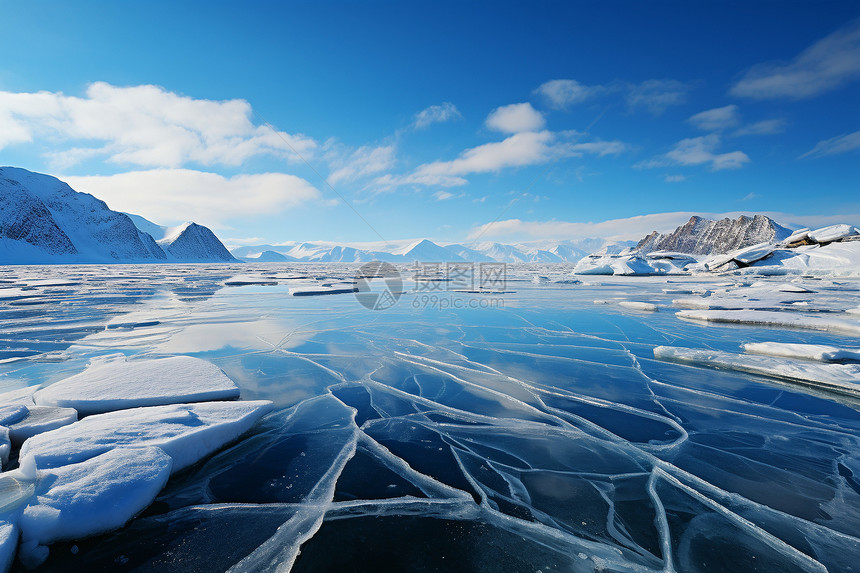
{"type": "Point", "coordinates": [749, 196]}
{"type": "Point", "coordinates": [765, 127]}
{"type": "Point", "coordinates": [142, 125]}
{"type": "Point", "coordinates": [716, 119]}
{"type": "Point", "coordinates": [443, 195]}
{"type": "Point", "coordinates": [826, 65]}
{"type": "Point", "coordinates": [561, 94]}
{"type": "Point", "coordinates": [835, 145]}
{"type": "Point", "coordinates": [698, 151]}
{"type": "Point", "coordinates": [674, 178]}
{"type": "Point", "coordinates": [655, 96]}
{"type": "Point", "coordinates": [365, 161]}
{"type": "Point", "coordinates": [446, 111]}
{"type": "Point", "coordinates": [517, 150]}
{"type": "Point", "coordinates": [207, 198]}
{"type": "Point", "coordinates": [515, 118]}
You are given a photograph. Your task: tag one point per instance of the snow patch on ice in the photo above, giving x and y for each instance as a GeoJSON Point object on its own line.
{"type": "Point", "coordinates": [818, 352]}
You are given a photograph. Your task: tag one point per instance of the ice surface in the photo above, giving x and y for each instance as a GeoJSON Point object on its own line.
{"type": "Point", "coordinates": [186, 432]}
{"type": "Point", "coordinates": [842, 378]}
{"type": "Point", "coordinates": [539, 436]}
{"type": "Point", "coordinates": [638, 305]}
{"type": "Point", "coordinates": [94, 496]}
{"type": "Point", "coordinates": [819, 352]}
{"type": "Point", "coordinates": [5, 446]}
{"type": "Point", "coordinates": [114, 385]}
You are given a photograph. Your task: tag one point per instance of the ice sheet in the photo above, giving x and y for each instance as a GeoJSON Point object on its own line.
{"type": "Point", "coordinates": [114, 385]}
{"type": "Point", "coordinates": [775, 319]}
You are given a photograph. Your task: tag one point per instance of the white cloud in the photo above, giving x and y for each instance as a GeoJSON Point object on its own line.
{"type": "Point", "coordinates": [656, 96]}
{"type": "Point", "coordinates": [142, 125]}
{"type": "Point", "coordinates": [765, 127]}
{"type": "Point", "coordinates": [674, 178]}
{"type": "Point", "coordinates": [206, 198]}
{"type": "Point", "coordinates": [835, 145]}
{"type": "Point", "coordinates": [698, 151]}
{"type": "Point", "coordinates": [364, 161]}
{"type": "Point", "coordinates": [634, 228]}
{"type": "Point", "coordinates": [716, 119]}
{"type": "Point", "coordinates": [515, 118]}
{"type": "Point", "coordinates": [442, 195]}
{"type": "Point", "coordinates": [447, 111]}
{"type": "Point", "coordinates": [826, 65]}
{"type": "Point", "coordinates": [563, 93]}
{"type": "Point", "coordinates": [518, 150]}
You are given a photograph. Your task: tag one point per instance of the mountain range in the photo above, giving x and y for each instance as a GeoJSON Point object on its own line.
{"type": "Point", "coordinates": [43, 220]}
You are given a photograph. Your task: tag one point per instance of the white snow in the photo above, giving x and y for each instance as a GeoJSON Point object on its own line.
{"type": "Point", "coordinates": [186, 432]}
{"type": "Point", "coordinates": [775, 319]}
{"type": "Point", "coordinates": [94, 496]}
{"type": "Point", "coordinates": [818, 352]}
{"type": "Point", "coordinates": [796, 236]}
{"type": "Point", "coordinates": [843, 378]}
{"type": "Point", "coordinates": [115, 385]}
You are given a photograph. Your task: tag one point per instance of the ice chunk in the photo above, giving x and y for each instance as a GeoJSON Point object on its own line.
{"type": "Point", "coordinates": [797, 236]}
{"type": "Point", "coordinates": [775, 319]}
{"type": "Point", "coordinates": [819, 352]}
{"type": "Point", "coordinates": [11, 413]}
{"type": "Point", "coordinates": [637, 305]}
{"type": "Point", "coordinates": [40, 419]}
{"type": "Point", "coordinates": [841, 378]}
{"type": "Point", "coordinates": [186, 432]}
{"type": "Point", "coordinates": [832, 233]}
{"type": "Point", "coordinates": [18, 396]}
{"type": "Point", "coordinates": [94, 496]}
{"type": "Point", "coordinates": [115, 385]}
{"type": "Point", "coordinates": [8, 544]}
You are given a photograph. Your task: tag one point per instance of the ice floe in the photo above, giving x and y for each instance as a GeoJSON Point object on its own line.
{"type": "Point", "coordinates": [93, 496]}
{"type": "Point", "coordinates": [8, 544]}
{"type": "Point", "coordinates": [186, 432]}
{"type": "Point", "coordinates": [40, 419]}
{"type": "Point", "coordinates": [841, 378]}
{"type": "Point", "coordinates": [819, 352]}
{"type": "Point", "coordinates": [775, 319]}
{"type": "Point", "coordinates": [117, 384]}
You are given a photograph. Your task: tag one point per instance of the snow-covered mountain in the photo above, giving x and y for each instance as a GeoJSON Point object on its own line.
{"type": "Point", "coordinates": [43, 220]}
{"type": "Point", "coordinates": [425, 250]}
{"type": "Point", "coordinates": [700, 236]}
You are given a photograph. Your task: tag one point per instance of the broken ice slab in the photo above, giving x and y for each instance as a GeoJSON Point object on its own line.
{"type": "Point", "coordinates": [40, 419]}
{"type": "Point", "coordinates": [839, 378]}
{"type": "Point", "coordinates": [94, 496]}
{"type": "Point", "coordinates": [186, 432]}
{"type": "Point", "coordinates": [115, 385]}
{"type": "Point", "coordinates": [775, 319]}
{"type": "Point", "coordinates": [819, 352]}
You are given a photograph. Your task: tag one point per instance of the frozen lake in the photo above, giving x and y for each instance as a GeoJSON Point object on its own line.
{"type": "Point", "coordinates": [524, 430]}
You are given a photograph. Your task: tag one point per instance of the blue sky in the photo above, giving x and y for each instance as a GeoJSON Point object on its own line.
{"type": "Point", "coordinates": [449, 120]}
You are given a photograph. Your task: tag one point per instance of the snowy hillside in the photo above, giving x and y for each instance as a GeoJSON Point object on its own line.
{"type": "Point", "coordinates": [43, 220]}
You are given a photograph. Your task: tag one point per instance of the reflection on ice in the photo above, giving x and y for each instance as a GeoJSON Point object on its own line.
{"type": "Point", "coordinates": [542, 436]}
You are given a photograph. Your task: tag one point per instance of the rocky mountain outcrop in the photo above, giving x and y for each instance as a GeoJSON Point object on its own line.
{"type": "Point", "coordinates": [700, 236]}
